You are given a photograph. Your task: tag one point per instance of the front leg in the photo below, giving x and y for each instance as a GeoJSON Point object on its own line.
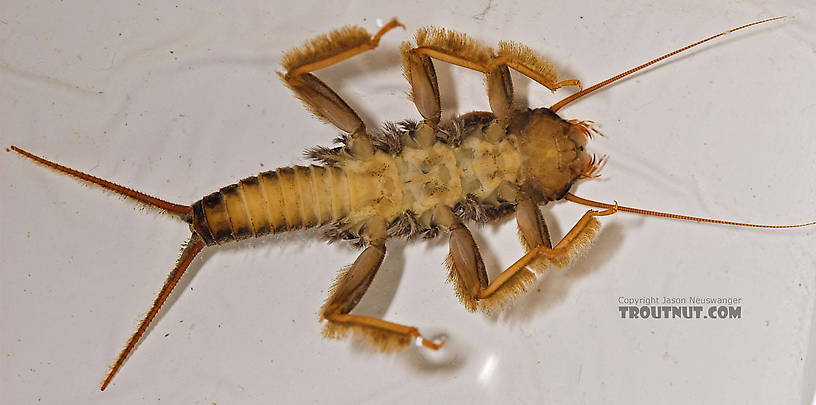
{"type": "Point", "coordinates": [467, 270]}
{"type": "Point", "coordinates": [349, 289]}
{"type": "Point", "coordinates": [532, 229]}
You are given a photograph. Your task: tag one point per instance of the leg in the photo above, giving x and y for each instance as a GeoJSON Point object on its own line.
{"type": "Point", "coordinates": [532, 230]}
{"type": "Point", "coordinates": [465, 265]}
{"type": "Point", "coordinates": [349, 289]}
{"type": "Point", "coordinates": [324, 51]}
{"type": "Point", "coordinates": [561, 255]}
{"type": "Point", "coordinates": [458, 49]}
{"type": "Point", "coordinates": [418, 69]}
{"type": "Point", "coordinates": [468, 270]}
{"type": "Point", "coordinates": [529, 63]}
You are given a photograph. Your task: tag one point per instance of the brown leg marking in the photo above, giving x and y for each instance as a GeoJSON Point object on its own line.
{"type": "Point", "coordinates": [350, 287]}
{"type": "Point", "coordinates": [421, 75]}
{"type": "Point", "coordinates": [532, 228]}
{"type": "Point", "coordinates": [464, 262]}
{"type": "Point", "coordinates": [533, 231]}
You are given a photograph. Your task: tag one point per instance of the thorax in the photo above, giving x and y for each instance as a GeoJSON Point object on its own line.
{"type": "Point", "coordinates": [418, 178]}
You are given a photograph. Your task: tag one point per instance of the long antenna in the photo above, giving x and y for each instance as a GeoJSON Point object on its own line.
{"type": "Point", "coordinates": [557, 106]}
{"type": "Point", "coordinates": [583, 201]}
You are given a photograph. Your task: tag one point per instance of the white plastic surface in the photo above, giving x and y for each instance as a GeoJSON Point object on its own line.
{"type": "Point", "coordinates": [177, 99]}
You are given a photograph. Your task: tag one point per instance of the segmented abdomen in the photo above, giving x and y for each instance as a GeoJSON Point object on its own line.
{"type": "Point", "coordinates": [275, 201]}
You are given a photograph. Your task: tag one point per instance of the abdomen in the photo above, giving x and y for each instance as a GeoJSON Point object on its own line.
{"type": "Point", "coordinates": [275, 201]}
{"type": "Point", "coordinates": [351, 191]}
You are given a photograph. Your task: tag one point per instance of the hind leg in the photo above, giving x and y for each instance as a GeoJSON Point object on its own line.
{"type": "Point", "coordinates": [350, 288]}
{"type": "Point", "coordinates": [323, 51]}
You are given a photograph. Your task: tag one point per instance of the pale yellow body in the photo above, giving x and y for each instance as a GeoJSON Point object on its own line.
{"type": "Point", "coordinates": [542, 154]}
{"type": "Point", "coordinates": [353, 190]}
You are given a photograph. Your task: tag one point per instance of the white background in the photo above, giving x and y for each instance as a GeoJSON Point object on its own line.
{"type": "Point", "coordinates": [178, 99]}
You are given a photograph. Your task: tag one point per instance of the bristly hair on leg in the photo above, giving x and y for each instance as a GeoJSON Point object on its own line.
{"type": "Point", "coordinates": [578, 246]}
{"type": "Point", "coordinates": [382, 340]}
{"type": "Point", "coordinates": [454, 43]}
{"type": "Point", "coordinates": [530, 59]}
{"type": "Point", "coordinates": [521, 281]}
{"type": "Point", "coordinates": [517, 285]}
{"type": "Point", "coordinates": [325, 46]}
{"type": "Point", "coordinates": [540, 264]}
{"type": "Point", "coordinates": [342, 276]}
{"type": "Point", "coordinates": [469, 301]}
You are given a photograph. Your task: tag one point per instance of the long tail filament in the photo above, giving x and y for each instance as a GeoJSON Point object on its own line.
{"type": "Point", "coordinates": [190, 251]}
{"type": "Point", "coordinates": [170, 208]}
